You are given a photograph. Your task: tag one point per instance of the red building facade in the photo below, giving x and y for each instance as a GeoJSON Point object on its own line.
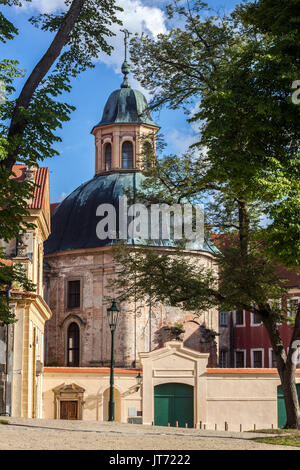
{"type": "Point", "coordinates": [244, 341]}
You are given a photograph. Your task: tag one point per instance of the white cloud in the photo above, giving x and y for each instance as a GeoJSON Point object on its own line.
{"type": "Point", "coordinates": [137, 18]}
{"type": "Point", "coordinates": [45, 6]}
{"type": "Point", "coordinates": [181, 141]}
{"type": "Point", "coordinates": [61, 197]}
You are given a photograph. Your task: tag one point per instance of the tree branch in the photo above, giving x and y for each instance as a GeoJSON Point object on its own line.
{"type": "Point", "coordinates": [38, 73]}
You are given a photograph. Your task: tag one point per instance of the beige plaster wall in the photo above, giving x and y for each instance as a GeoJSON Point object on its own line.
{"type": "Point", "coordinates": [96, 384]}
{"type": "Point", "coordinates": [244, 398]}
{"type": "Point", "coordinates": [239, 397]}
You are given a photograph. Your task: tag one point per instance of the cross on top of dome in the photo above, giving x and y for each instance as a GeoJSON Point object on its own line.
{"type": "Point", "coordinates": [125, 66]}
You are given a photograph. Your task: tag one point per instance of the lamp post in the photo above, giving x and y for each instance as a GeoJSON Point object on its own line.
{"type": "Point", "coordinates": [113, 315]}
{"type": "Point", "coordinates": [139, 380]}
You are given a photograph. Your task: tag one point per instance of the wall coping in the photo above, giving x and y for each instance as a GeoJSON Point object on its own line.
{"type": "Point", "coordinates": [209, 371]}
{"type": "Point", "coordinates": [88, 370]}
{"type": "Point", "coordinates": [245, 371]}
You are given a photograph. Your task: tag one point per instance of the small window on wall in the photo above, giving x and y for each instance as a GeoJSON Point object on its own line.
{"type": "Point", "coordinates": [223, 318]}
{"type": "Point", "coordinates": [272, 362]}
{"type": "Point", "coordinates": [73, 345]}
{"type": "Point", "coordinates": [257, 358]}
{"type": "Point", "coordinates": [107, 156]}
{"type": "Point", "coordinates": [292, 306]}
{"type": "Point", "coordinates": [239, 359]}
{"type": "Point", "coordinates": [148, 154]}
{"type": "Point", "coordinates": [239, 317]}
{"type": "Point", "coordinates": [73, 295]}
{"type": "Point", "coordinates": [256, 320]}
{"type": "Point", "coordinates": [127, 155]}
{"type": "Point", "coordinates": [223, 358]}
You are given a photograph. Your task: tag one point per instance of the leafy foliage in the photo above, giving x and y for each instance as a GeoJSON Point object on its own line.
{"type": "Point", "coordinates": [233, 76]}
{"type": "Point", "coordinates": [11, 275]}
{"type": "Point", "coordinates": [30, 120]}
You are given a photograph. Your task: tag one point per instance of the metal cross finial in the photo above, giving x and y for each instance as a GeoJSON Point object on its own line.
{"type": "Point", "coordinates": [125, 66]}
{"type": "Point", "coordinates": [126, 37]}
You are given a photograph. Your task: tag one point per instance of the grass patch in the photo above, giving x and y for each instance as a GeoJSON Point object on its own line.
{"type": "Point", "coordinates": [282, 437]}
{"type": "Point", "coordinates": [4, 421]}
{"type": "Point", "coordinates": [276, 431]}
{"type": "Point", "coordinates": [282, 440]}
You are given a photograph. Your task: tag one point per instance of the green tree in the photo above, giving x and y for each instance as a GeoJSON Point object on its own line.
{"type": "Point", "coordinates": [29, 119]}
{"type": "Point", "coordinates": [246, 162]}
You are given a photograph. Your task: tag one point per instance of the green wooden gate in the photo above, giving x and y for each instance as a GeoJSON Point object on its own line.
{"type": "Point", "coordinates": [174, 403]}
{"type": "Point", "coordinates": [281, 413]}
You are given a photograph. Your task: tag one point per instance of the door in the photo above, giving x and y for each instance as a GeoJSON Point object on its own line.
{"type": "Point", "coordinates": [174, 403]}
{"type": "Point", "coordinates": [68, 410]}
{"type": "Point", "coordinates": [281, 413]}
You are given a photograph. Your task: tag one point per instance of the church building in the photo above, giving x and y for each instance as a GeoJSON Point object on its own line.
{"type": "Point", "coordinates": [79, 266]}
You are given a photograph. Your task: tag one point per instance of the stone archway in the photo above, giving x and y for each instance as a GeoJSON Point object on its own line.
{"type": "Point", "coordinates": [117, 400]}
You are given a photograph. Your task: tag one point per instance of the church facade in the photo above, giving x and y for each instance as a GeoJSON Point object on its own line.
{"type": "Point", "coordinates": [77, 279]}
{"type": "Point", "coordinates": [79, 266]}
{"type": "Point", "coordinates": [54, 361]}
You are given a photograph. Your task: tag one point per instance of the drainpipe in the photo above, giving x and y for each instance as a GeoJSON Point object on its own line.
{"type": "Point", "coordinates": [231, 340]}
{"type": "Point", "coordinates": [6, 412]}
{"type": "Point", "coordinates": [6, 405]}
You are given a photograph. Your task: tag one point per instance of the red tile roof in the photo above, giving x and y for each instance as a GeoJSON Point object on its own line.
{"type": "Point", "coordinates": [53, 206]}
{"type": "Point", "coordinates": [41, 175]}
{"type": "Point", "coordinates": [6, 262]}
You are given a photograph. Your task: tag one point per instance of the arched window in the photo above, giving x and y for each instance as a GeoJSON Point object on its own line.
{"type": "Point", "coordinates": [148, 151]}
{"type": "Point", "coordinates": [73, 345]}
{"type": "Point", "coordinates": [107, 154]}
{"type": "Point", "coordinates": [127, 155]}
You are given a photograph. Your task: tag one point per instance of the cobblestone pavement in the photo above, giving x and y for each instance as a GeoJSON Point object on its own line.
{"type": "Point", "coordinates": [39, 434]}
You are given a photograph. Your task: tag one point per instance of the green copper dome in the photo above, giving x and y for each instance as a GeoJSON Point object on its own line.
{"type": "Point", "coordinates": [74, 220]}
{"type": "Point", "coordinates": [126, 106]}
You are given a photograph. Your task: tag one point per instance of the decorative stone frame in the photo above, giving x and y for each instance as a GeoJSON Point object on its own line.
{"type": "Point", "coordinates": [262, 356]}
{"type": "Point", "coordinates": [67, 280]}
{"type": "Point", "coordinates": [174, 364]}
{"type": "Point", "coordinates": [68, 392]}
{"type": "Point", "coordinates": [72, 318]}
{"type": "Point", "coordinates": [108, 139]}
{"type": "Point", "coordinates": [127, 138]}
{"type": "Point", "coordinates": [245, 356]}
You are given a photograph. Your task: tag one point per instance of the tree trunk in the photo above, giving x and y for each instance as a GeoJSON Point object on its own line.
{"type": "Point", "coordinates": [244, 230]}
{"type": "Point", "coordinates": [286, 370]}
{"type": "Point", "coordinates": [290, 395]}
{"type": "Point", "coordinates": [286, 365]}
{"type": "Point", "coordinates": [17, 126]}
{"type": "Point", "coordinates": [290, 399]}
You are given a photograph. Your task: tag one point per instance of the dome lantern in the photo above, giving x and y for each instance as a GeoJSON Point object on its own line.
{"type": "Point", "coordinates": [125, 122]}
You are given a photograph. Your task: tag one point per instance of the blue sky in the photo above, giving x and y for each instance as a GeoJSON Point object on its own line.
{"type": "Point", "coordinates": [75, 163]}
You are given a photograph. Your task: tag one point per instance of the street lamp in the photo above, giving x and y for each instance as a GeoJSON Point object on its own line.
{"type": "Point", "coordinates": [113, 315]}
{"type": "Point", "coordinates": [139, 380]}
